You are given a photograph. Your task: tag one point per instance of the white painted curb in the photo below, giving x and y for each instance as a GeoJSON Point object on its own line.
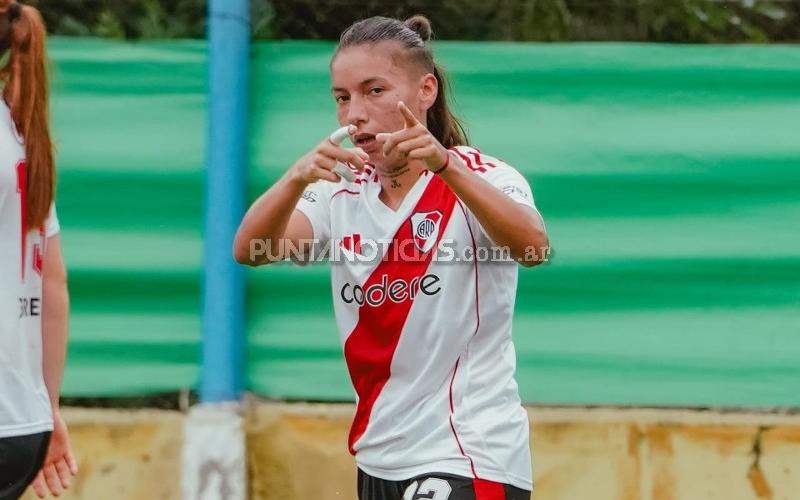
{"type": "Point", "coordinates": [214, 460]}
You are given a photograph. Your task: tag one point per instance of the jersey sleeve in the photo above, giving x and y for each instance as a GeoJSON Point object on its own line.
{"type": "Point", "coordinates": [315, 203]}
{"type": "Point", "coordinates": [508, 180]}
{"type": "Point", "coordinates": [52, 226]}
{"type": "Point", "coordinates": [505, 178]}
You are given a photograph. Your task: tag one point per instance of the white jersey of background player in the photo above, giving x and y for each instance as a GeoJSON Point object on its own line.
{"type": "Point", "coordinates": [427, 340]}
{"type": "Point", "coordinates": [24, 402]}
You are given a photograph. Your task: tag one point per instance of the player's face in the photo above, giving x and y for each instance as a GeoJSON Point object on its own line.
{"type": "Point", "coordinates": [367, 82]}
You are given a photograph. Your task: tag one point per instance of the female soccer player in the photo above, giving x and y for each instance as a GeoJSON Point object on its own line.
{"type": "Point", "coordinates": [426, 326]}
{"type": "Point", "coordinates": [34, 443]}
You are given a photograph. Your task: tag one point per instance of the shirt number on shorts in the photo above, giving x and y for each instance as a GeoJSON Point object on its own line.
{"type": "Point", "coordinates": [430, 489]}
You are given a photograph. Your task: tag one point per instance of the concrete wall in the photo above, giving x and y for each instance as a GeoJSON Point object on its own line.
{"type": "Point", "coordinates": [125, 454]}
{"type": "Point", "coordinates": [299, 452]}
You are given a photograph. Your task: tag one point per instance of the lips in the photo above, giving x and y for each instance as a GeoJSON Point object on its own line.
{"type": "Point", "coordinates": [366, 142]}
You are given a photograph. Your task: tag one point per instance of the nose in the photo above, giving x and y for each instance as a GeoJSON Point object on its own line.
{"type": "Point", "coordinates": [356, 111]}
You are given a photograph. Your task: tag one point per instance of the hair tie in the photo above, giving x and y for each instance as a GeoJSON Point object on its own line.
{"type": "Point", "coordinates": [14, 11]}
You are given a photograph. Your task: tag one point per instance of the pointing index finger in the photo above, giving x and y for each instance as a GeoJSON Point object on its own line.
{"type": "Point", "coordinates": [408, 116]}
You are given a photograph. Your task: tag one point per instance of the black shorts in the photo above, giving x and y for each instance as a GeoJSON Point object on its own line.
{"type": "Point", "coordinates": [21, 457]}
{"type": "Point", "coordinates": [436, 487]}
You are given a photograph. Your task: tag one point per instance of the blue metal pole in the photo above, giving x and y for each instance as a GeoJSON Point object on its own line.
{"type": "Point", "coordinates": [222, 371]}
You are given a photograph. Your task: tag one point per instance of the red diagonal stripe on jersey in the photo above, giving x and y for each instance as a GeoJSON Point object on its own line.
{"type": "Point", "coordinates": [371, 345]}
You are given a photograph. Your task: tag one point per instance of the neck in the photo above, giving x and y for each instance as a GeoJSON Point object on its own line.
{"type": "Point", "coordinates": [398, 181]}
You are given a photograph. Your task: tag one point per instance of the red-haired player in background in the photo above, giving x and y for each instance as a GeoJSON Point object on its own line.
{"type": "Point", "coordinates": [34, 442]}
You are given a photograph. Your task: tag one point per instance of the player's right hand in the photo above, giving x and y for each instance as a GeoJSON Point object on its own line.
{"type": "Point", "coordinates": [319, 163]}
{"type": "Point", "coordinates": [59, 463]}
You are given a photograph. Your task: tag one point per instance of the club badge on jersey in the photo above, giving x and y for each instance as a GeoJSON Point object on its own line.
{"type": "Point", "coordinates": [425, 228]}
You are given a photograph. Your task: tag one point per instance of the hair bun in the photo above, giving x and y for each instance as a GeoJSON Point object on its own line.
{"type": "Point", "coordinates": [421, 25]}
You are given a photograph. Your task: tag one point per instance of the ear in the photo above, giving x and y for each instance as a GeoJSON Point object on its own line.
{"type": "Point", "coordinates": [428, 90]}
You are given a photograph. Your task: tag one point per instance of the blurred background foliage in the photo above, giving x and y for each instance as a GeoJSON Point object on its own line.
{"type": "Point", "coordinates": [681, 21]}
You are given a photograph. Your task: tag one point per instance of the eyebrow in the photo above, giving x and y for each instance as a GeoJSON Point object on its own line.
{"type": "Point", "coordinates": [362, 84]}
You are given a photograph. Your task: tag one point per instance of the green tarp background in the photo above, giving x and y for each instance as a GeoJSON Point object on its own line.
{"type": "Point", "coordinates": [668, 177]}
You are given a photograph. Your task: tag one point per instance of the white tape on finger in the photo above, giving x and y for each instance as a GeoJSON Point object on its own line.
{"type": "Point", "coordinates": [341, 169]}
{"type": "Point", "coordinates": [344, 172]}
{"type": "Point", "coordinates": [339, 135]}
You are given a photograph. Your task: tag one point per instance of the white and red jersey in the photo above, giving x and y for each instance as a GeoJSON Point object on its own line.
{"type": "Point", "coordinates": [24, 403]}
{"type": "Point", "coordinates": [427, 340]}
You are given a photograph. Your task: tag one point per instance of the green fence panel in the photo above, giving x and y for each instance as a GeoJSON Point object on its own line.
{"type": "Point", "coordinates": [667, 176]}
{"type": "Point", "coordinates": [129, 123]}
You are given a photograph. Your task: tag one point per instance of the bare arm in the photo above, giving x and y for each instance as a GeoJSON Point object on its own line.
{"type": "Point", "coordinates": [55, 314]}
{"type": "Point", "coordinates": [270, 219]}
{"type": "Point", "coordinates": [273, 220]}
{"type": "Point", "coordinates": [59, 462]}
{"type": "Point", "coordinates": [507, 222]}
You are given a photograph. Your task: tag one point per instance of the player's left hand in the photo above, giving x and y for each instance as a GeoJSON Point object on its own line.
{"type": "Point", "coordinates": [59, 464]}
{"type": "Point", "coordinates": [414, 141]}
